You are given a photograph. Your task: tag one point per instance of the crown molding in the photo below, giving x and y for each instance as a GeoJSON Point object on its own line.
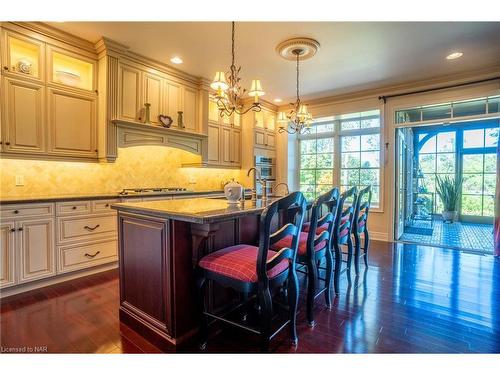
{"type": "Point", "coordinates": [50, 33]}
{"type": "Point", "coordinates": [431, 83]}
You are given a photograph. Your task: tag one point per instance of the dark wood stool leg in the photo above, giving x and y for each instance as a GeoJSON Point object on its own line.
{"type": "Point", "coordinates": [201, 283]}
{"type": "Point", "coordinates": [366, 243]}
{"type": "Point", "coordinates": [338, 263]}
{"type": "Point", "coordinates": [357, 249]}
{"type": "Point", "coordinates": [328, 278]}
{"type": "Point", "coordinates": [349, 252]}
{"type": "Point", "coordinates": [293, 299]}
{"type": "Point", "coordinates": [312, 280]}
{"type": "Point", "coordinates": [266, 304]}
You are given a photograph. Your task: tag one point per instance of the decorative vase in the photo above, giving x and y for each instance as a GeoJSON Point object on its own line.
{"type": "Point", "coordinates": [146, 113]}
{"type": "Point", "coordinates": [180, 120]}
{"type": "Point", "coordinates": [449, 216]}
{"type": "Point", "coordinates": [233, 192]}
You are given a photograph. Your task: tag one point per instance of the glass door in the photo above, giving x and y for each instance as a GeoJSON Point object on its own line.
{"type": "Point", "coordinates": [479, 175]}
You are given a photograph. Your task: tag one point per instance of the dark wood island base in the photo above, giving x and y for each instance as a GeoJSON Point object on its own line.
{"type": "Point", "coordinates": [160, 244]}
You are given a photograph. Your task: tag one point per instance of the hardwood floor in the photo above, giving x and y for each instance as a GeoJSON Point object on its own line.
{"type": "Point", "coordinates": [412, 299]}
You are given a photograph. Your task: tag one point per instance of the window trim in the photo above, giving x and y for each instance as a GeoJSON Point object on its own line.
{"type": "Point", "coordinates": [336, 134]}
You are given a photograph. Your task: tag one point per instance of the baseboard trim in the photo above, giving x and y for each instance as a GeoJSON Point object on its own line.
{"type": "Point", "coordinates": [379, 236]}
{"type": "Point", "coordinates": [16, 289]}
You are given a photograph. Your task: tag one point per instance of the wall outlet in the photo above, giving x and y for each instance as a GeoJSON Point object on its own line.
{"type": "Point", "coordinates": [19, 180]}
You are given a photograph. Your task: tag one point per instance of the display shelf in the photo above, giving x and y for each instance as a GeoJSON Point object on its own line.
{"type": "Point", "coordinates": [71, 71]}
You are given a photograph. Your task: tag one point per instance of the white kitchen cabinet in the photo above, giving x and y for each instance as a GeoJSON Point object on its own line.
{"type": "Point", "coordinates": [7, 253]}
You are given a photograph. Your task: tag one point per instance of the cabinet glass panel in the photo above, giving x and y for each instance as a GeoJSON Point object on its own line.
{"type": "Point", "coordinates": [72, 72]}
{"type": "Point", "coordinates": [24, 57]}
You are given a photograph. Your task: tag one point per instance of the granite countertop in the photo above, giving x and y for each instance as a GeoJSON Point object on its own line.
{"type": "Point", "coordinates": [71, 197]}
{"type": "Point", "coordinates": [196, 210]}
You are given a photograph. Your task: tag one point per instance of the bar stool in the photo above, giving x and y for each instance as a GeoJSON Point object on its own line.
{"type": "Point", "coordinates": [342, 233]}
{"type": "Point", "coordinates": [258, 271]}
{"type": "Point", "coordinates": [360, 226]}
{"type": "Point", "coordinates": [319, 246]}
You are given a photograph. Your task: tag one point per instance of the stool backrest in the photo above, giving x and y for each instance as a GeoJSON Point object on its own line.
{"type": "Point", "coordinates": [362, 209]}
{"type": "Point", "coordinates": [295, 202]}
{"type": "Point", "coordinates": [345, 216]}
{"type": "Point", "coordinates": [330, 200]}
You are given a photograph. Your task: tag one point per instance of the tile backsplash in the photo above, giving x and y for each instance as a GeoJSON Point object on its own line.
{"type": "Point", "coordinates": [144, 166]}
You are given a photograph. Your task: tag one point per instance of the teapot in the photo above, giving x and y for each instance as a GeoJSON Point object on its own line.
{"type": "Point", "coordinates": [233, 192]}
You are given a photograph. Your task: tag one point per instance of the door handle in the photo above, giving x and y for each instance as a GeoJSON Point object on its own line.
{"type": "Point", "coordinates": [89, 228]}
{"type": "Point", "coordinates": [92, 255]}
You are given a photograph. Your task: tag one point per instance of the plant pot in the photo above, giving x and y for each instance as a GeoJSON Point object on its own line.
{"type": "Point", "coordinates": [449, 216]}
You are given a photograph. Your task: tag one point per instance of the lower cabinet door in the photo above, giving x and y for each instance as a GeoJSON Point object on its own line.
{"type": "Point", "coordinates": [7, 249]}
{"type": "Point", "coordinates": [35, 246]}
{"type": "Point", "coordinates": [76, 257]}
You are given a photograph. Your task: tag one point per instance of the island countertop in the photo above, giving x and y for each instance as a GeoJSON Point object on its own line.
{"type": "Point", "coordinates": [196, 210]}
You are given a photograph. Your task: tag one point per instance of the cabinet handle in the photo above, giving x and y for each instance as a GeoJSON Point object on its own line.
{"type": "Point", "coordinates": [94, 228]}
{"type": "Point", "coordinates": [5, 68]}
{"type": "Point", "coordinates": [73, 208]}
{"type": "Point", "coordinates": [7, 143]}
{"type": "Point", "coordinates": [12, 229]}
{"type": "Point", "coordinates": [106, 205]}
{"type": "Point", "coordinates": [92, 255]}
{"type": "Point", "coordinates": [20, 229]}
{"type": "Point", "coordinates": [16, 211]}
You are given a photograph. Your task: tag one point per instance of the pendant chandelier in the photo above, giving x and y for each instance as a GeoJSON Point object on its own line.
{"type": "Point", "coordinates": [298, 119]}
{"type": "Point", "coordinates": [228, 90]}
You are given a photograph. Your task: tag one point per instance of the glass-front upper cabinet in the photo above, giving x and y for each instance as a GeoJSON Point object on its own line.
{"type": "Point", "coordinates": [23, 56]}
{"type": "Point", "coordinates": [269, 120]}
{"type": "Point", "coordinates": [71, 70]}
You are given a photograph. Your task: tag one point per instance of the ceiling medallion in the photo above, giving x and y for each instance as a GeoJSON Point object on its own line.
{"type": "Point", "coordinates": [228, 91]}
{"type": "Point", "coordinates": [298, 119]}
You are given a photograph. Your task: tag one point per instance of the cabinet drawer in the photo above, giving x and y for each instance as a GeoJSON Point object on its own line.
{"type": "Point", "coordinates": [86, 228]}
{"type": "Point", "coordinates": [103, 206]}
{"type": "Point", "coordinates": [27, 210]}
{"type": "Point", "coordinates": [73, 208]}
{"type": "Point", "coordinates": [77, 257]}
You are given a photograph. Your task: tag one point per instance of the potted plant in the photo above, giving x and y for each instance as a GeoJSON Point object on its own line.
{"type": "Point", "coordinates": [449, 191]}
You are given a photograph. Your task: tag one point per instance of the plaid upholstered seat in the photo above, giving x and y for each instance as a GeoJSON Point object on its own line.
{"type": "Point", "coordinates": [306, 226]}
{"type": "Point", "coordinates": [240, 262]}
{"type": "Point", "coordinates": [302, 250]}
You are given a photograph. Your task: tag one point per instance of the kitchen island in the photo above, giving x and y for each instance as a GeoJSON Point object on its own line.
{"type": "Point", "coordinates": [160, 244]}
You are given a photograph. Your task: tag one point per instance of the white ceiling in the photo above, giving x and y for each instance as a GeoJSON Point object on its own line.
{"type": "Point", "coordinates": [353, 55]}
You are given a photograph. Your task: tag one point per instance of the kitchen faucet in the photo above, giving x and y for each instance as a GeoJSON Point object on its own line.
{"type": "Point", "coordinates": [262, 182]}
{"type": "Point", "coordinates": [285, 185]}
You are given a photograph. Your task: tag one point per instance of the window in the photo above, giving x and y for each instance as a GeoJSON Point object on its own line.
{"type": "Point", "coordinates": [474, 107]}
{"type": "Point", "coordinates": [355, 162]}
{"type": "Point", "coordinates": [317, 160]}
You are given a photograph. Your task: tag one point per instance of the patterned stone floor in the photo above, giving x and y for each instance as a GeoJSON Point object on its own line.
{"type": "Point", "coordinates": [467, 236]}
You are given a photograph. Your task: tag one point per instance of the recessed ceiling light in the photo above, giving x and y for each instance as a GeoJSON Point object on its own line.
{"type": "Point", "coordinates": [176, 60]}
{"type": "Point", "coordinates": [278, 100]}
{"type": "Point", "coordinates": [454, 55]}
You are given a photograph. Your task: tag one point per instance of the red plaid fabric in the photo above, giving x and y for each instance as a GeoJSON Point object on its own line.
{"type": "Point", "coordinates": [240, 262]}
{"type": "Point", "coordinates": [302, 250]}
{"type": "Point", "coordinates": [306, 226]}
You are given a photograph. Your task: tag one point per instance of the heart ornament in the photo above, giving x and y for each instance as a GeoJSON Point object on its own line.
{"type": "Point", "coordinates": [166, 121]}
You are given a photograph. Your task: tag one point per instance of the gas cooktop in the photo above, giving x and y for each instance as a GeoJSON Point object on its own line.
{"type": "Point", "coordinates": [151, 190]}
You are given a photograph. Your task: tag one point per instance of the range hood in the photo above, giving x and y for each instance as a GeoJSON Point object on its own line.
{"type": "Point", "coordinates": [131, 134]}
